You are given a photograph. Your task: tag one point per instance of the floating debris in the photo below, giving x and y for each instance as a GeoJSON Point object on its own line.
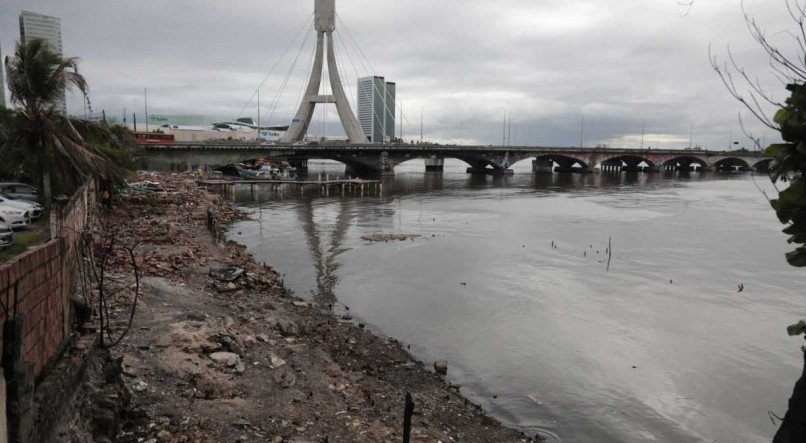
{"type": "Point", "coordinates": [381, 237]}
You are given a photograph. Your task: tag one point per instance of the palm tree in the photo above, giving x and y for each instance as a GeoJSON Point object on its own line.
{"type": "Point", "coordinates": [37, 79]}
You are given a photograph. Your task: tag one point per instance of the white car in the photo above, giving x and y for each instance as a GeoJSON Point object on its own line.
{"type": "Point", "coordinates": [6, 235]}
{"type": "Point", "coordinates": [34, 209]}
{"type": "Point", "coordinates": [14, 217]}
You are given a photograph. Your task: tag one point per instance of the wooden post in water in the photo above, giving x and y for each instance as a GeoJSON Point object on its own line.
{"type": "Point", "coordinates": [408, 411]}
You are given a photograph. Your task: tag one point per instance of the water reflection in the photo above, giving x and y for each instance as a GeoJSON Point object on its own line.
{"type": "Point", "coordinates": [660, 348]}
{"type": "Point", "coordinates": [324, 253]}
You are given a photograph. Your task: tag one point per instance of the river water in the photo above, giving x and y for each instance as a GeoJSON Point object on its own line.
{"type": "Point", "coordinates": [659, 347]}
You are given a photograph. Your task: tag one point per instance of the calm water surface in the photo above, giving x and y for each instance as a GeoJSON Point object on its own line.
{"type": "Point", "coordinates": [661, 347]}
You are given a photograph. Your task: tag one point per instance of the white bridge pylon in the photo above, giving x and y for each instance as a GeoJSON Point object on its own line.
{"type": "Point", "coordinates": [325, 24]}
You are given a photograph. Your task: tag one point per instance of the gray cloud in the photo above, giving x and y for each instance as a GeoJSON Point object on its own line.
{"type": "Point", "coordinates": [623, 64]}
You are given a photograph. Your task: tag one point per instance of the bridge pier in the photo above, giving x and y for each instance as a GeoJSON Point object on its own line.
{"type": "Point", "coordinates": [384, 165]}
{"type": "Point", "coordinates": [542, 166]}
{"type": "Point", "coordinates": [434, 164]}
{"type": "Point", "coordinates": [300, 165]}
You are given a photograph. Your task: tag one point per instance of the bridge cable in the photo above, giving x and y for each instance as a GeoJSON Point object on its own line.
{"type": "Point", "coordinates": [291, 43]}
{"type": "Point", "coordinates": [304, 83]}
{"type": "Point", "coordinates": [344, 42]}
{"type": "Point", "coordinates": [288, 75]}
{"type": "Point", "coordinates": [367, 65]}
{"type": "Point", "coordinates": [350, 35]}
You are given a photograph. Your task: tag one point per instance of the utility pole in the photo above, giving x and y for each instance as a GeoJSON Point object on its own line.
{"type": "Point", "coordinates": [691, 139]}
{"type": "Point", "coordinates": [145, 93]}
{"type": "Point", "coordinates": [581, 129]}
{"type": "Point", "coordinates": [509, 131]}
{"type": "Point", "coordinates": [134, 116]}
{"type": "Point", "coordinates": [124, 116]}
{"type": "Point", "coordinates": [421, 123]}
{"type": "Point", "coordinates": [504, 137]}
{"type": "Point", "coordinates": [401, 120]}
{"type": "Point", "coordinates": [643, 133]}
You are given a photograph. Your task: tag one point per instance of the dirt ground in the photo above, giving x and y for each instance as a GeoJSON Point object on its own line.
{"type": "Point", "coordinates": [209, 360]}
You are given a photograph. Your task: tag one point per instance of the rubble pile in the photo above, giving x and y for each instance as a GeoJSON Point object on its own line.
{"type": "Point", "coordinates": [140, 217]}
{"type": "Point", "coordinates": [220, 351]}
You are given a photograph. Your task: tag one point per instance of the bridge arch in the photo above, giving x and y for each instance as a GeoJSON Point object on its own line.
{"type": "Point", "coordinates": [762, 165]}
{"type": "Point", "coordinates": [626, 162]}
{"type": "Point", "coordinates": [434, 163]}
{"type": "Point", "coordinates": [355, 165]}
{"type": "Point", "coordinates": [555, 162]}
{"type": "Point", "coordinates": [730, 164]}
{"type": "Point", "coordinates": [684, 163]}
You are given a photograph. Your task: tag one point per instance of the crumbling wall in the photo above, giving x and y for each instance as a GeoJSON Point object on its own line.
{"type": "Point", "coordinates": [31, 287]}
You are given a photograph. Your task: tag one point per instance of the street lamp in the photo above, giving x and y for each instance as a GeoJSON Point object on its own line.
{"type": "Point", "coordinates": [504, 136]}
{"type": "Point", "coordinates": [145, 94]}
{"type": "Point", "coordinates": [421, 123]}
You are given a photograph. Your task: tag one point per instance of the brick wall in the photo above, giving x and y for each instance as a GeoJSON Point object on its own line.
{"type": "Point", "coordinates": [37, 283]}
{"type": "Point", "coordinates": [31, 286]}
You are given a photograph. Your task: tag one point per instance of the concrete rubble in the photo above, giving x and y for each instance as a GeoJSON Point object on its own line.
{"type": "Point", "coordinates": [220, 351]}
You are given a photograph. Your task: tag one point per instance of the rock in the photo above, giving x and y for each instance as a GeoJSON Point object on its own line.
{"type": "Point", "coordinates": [302, 304]}
{"type": "Point", "coordinates": [441, 367]}
{"type": "Point", "coordinates": [288, 328]}
{"type": "Point", "coordinates": [263, 337]}
{"type": "Point", "coordinates": [140, 385]}
{"type": "Point", "coordinates": [286, 378]}
{"type": "Point", "coordinates": [164, 435]}
{"type": "Point", "coordinates": [240, 368]}
{"type": "Point", "coordinates": [227, 273]}
{"type": "Point", "coordinates": [276, 361]}
{"type": "Point", "coordinates": [193, 316]}
{"type": "Point", "coordinates": [229, 359]}
{"type": "Point", "coordinates": [490, 421]}
{"type": "Point", "coordinates": [228, 342]}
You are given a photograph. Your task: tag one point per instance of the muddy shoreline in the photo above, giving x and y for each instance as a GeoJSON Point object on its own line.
{"type": "Point", "coordinates": [217, 357]}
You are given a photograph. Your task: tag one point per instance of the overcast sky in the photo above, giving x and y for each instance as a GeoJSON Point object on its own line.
{"type": "Point", "coordinates": [546, 63]}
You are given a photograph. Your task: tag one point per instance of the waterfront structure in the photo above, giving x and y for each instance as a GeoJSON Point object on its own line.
{"type": "Point", "coordinates": [47, 28]}
{"type": "Point", "coordinates": [376, 108]}
{"type": "Point", "coordinates": [325, 24]}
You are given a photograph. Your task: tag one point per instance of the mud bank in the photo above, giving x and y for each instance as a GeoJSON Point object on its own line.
{"type": "Point", "coordinates": [216, 354]}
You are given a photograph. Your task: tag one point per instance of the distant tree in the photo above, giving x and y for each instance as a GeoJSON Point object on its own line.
{"type": "Point", "coordinates": [37, 79]}
{"type": "Point", "coordinates": [788, 118]}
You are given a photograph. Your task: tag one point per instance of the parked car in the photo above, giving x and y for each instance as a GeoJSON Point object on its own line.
{"type": "Point", "coordinates": [18, 190]}
{"type": "Point", "coordinates": [34, 209]}
{"type": "Point", "coordinates": [6, 236]}
{"type": "Point", "coordinates": [14, 217]}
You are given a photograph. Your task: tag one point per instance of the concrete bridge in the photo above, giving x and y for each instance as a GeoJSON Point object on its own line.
{"type": "Point", "coordinates": [381, 159]}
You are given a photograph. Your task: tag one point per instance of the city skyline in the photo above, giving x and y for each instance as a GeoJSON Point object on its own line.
{"type": "Point", "coordinates": [546, 66]}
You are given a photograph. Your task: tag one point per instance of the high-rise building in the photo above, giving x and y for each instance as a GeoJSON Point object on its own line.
{"type": "Point", "coordinates": [376, 108]}
{"type": "Point", "coordinates": [49, 29]}
{"type": "Point", "coordinates": [2, 81]}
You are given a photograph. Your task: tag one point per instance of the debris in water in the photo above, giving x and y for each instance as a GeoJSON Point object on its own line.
{"type": "Point", "coordinates": [741, 287]}
{"type": "Point", "coordinates": [381, 237]}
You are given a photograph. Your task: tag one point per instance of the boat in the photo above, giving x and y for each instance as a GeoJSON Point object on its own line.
{"type": "Point", "coordinates": [265, 172]}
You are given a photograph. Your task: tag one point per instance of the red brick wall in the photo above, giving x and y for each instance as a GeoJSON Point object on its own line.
{"type": "Point", "coordinates": [37, 283]}
{"type": "Point", "coordinates": [31, 286]}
